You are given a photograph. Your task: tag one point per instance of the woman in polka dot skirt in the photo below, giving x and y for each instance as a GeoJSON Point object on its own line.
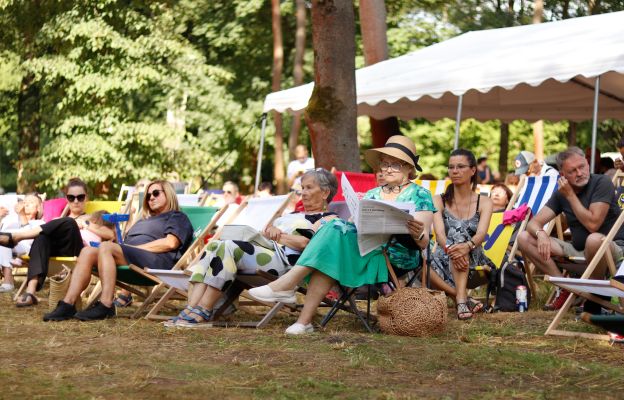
{"type": "Point", "coordinates": [223, 259]}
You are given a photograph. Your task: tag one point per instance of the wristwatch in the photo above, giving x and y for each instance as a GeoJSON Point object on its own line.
{"type": "Point", "coordinates": [422, 235]}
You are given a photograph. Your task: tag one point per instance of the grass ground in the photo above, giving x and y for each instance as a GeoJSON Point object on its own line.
{"type": "Point", "coordinates": [491, 357]}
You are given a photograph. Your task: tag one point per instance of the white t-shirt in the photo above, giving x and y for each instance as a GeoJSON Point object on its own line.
{"type": "Point", "coordinates": [547, 170]}
{"type": "Point", "coordinates": [296, 166]}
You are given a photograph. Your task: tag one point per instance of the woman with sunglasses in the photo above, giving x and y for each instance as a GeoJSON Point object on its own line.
{"type": "Point", "coordinates": [62, 237]}
{"type": "Point", "coordinates": [460, 230]}
{"type": "Point", "coordinates": [333, 253]}
{"type": "Point", "coordinates": [157, 240]}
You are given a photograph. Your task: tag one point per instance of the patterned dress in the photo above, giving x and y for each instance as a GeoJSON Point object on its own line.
{"type": "Point", "coordinates": [334, 249]}
{"type": "Point", "coordinates": [223, 259]}
{"type": "Point", "coordinates": [458, 231]}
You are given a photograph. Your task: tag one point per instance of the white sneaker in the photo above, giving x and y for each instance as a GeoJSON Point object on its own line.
{"type": "Point", "coordinates": [6, 288]}
{"type": "Point", "coordinates": [299, 329]}
{"type": "Point", "coordinates": [265, 293]}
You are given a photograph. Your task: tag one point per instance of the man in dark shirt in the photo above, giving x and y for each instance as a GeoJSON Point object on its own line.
{"type": "Point", "coordinates": [590, 206]}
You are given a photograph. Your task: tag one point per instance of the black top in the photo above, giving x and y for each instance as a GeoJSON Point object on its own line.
{"type": "Point", "coordinates": [158, 227]}
{"type": "Point", "coordinates": [599, 189]}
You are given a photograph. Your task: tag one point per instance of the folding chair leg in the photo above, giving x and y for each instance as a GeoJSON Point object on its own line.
{"type": "Point", "coordinates": [148, 300]}
{"type": "Point", "coordinates": [359, 314]}
{"type": "Point", "coordinates": [95, 294]}
{"type": "Point", "coordinates": [153, 313]}
{"type": "Point", "coordinates": [335, 307]}
{"type": "Point", "coordinates": [21, 289]}
{"type": "Point", "coordinates": [529, 275]}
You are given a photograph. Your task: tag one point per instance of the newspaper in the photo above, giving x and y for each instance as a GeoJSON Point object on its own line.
{"type": "Point", "coordinates": [377, 220]}
{"type": "Point", "coordinates": [245, 233]}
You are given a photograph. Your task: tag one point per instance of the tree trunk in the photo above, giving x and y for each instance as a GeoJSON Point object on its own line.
{"type": "Point", "coordinates": [293, 138]}
{"type": "Point", "coordinates": [331, 112]}
{"type": "Point", "coordinates": [538, 11]}
{"type": "Point", "coordinates": [504, 149]}
{"type": "Point", "coordinates": [278, 63]}
{"type": "Point", "coordinates": [572, 133]}
{"type": "Point", "coordinates": [375, 43]}
{"type": "Point", "coordinates": [29, 125]}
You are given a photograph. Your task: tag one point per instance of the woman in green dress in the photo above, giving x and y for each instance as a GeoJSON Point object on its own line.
{"type": "Point", "coordinates": [333, 254]}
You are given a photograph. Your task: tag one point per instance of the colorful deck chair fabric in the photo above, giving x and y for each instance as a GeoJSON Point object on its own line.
{"type": "Point", "coordinates": [435, 187]}
{"type": "Point", "coordinates": [361, 182]}
{"type": "Point", "coordinates": [536, 191]}
{"type": "Point", "coordinates": [53, 208]}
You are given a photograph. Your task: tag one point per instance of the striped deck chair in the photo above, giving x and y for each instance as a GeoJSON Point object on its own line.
{"type": "Point", "coordinates": [254, 212]}
{"type": "Point", "coordinates": [435, 187]}
{"type": "Point", "coordinates": [534, 191]}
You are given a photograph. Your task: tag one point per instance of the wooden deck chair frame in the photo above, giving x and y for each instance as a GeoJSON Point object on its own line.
{"type": "Point", "coordinates": [154, 312]}
{"type": "Point", "coordinates": [603, 251]}
{"type": "Point", "coordinates": [152, 294]}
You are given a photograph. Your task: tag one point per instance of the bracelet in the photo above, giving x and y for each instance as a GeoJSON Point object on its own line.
{"type": "Point", "coordinates": [422, 235]}
{"type": "Point", "coordinates": [539, 230]}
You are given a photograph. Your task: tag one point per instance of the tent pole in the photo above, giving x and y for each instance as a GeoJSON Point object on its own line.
{"type": "Point", "coordinates": [259, 166]}
{"type": "Point", "coordinates": [595, 125]}
{"type": "Point", "coordinates": [458, 121]}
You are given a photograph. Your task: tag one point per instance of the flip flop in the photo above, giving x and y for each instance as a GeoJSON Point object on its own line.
{"type": "Point", "coordinates": [10, 243]}
{"type": "Point", "coordinates": [23, 301]}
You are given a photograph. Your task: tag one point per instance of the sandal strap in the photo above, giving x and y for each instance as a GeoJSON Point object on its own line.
{"type": "Point", "coordinates": [199, 311]}
{"type": "Point", "coordinates": [462, 308]}
{"type": "Point", "coordinates": [127, 300]}
{"type": "Point", "coordinates": [24, 298]}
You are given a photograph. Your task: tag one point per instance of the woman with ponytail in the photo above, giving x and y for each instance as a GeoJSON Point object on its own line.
{"type": "Point", "coordinates": [460, 225]}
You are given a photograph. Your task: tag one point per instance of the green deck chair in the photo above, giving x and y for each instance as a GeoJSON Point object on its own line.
{"type": "Point", "coordinates": [131, 276]}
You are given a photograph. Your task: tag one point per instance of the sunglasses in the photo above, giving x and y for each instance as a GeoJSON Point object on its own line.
{"type": "Point", "coordinates": [154, 193]}
{"type": "Point", "coordinates": [71, 198]}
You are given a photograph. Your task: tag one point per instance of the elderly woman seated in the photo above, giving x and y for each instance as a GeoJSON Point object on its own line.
{"type": "Point", "coordinates": [157, 240]}
{"type": "Point", "coordinates": [333, 254]}
{"type": "Point", "coordinates": [62, 237]}
{"type": "Point", "coordinates": [28, 215]}
{"type": "Point", "coordinates": [223, 259]}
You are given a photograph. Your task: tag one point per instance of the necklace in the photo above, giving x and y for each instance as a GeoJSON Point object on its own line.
{"type": "Point", "coordinates": [466, 214]}
{"type": "Point", "coordinates": [393, 189]}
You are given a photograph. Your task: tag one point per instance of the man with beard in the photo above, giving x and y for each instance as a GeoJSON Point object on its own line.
{"type": "Point", "coordinates": [590, 206]}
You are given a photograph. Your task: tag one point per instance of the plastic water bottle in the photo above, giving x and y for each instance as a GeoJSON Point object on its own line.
{"type": "Point", "coordinates": [521, 298]}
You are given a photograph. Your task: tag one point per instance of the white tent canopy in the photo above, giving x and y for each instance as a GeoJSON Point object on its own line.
{"type": "Point", "coordinates": [531, 72]}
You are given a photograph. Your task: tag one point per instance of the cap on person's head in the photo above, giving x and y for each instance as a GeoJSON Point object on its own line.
{"type": "Point", "coordinates": [522, 162]}
{"type": "Point", "coordinates": [397, 146]}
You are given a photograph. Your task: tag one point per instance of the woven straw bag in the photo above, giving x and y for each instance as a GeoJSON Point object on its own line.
{"type": "Point", "coordinates": [59, 284]}
{"type": "Point", "coordinates": [411, 311]}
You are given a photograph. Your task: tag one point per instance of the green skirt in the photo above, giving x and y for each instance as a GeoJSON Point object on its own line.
{"type": "Point", "coordinates": [334, 251]}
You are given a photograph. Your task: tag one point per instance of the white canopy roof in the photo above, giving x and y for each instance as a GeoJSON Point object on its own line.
{"type": "Point", "coordinates": [531, 72]}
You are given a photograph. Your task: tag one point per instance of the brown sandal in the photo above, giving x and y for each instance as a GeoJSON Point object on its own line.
{"type": "Point", "coordinates": [27, 300]}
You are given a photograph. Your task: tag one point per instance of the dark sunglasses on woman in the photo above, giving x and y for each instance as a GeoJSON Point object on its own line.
{"type": "Point", "coordinates": [71, 198]}
{"type": "Point", "coordinates": [154, 193]}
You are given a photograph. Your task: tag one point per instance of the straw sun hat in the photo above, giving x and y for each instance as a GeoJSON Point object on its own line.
{"type": "Point", "coordinates": [397, 146]}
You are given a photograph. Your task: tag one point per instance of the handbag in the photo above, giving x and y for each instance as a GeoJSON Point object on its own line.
{"type": "Point", "coordinates": [411, 311]}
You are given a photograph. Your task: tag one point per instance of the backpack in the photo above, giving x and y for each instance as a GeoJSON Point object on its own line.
{"type": "Point", "coordinates": [506, 280]}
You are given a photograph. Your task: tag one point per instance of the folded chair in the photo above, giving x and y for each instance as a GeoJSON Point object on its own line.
{"type": "Point", "coordinates": [255, 212]}
{"type": "Point", "coordinates": [589, 288]}
{"type": "Point", "coordinates": [131, 276]}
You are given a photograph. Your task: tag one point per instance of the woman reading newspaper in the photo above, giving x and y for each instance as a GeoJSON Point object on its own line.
{"type": "Point", "coordinates": [223, 259]}
{"type": "Point", "coordinates": [334, 254]}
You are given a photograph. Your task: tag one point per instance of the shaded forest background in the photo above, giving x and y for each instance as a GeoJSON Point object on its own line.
{"type": "Point", "coordinates": [114, 91]}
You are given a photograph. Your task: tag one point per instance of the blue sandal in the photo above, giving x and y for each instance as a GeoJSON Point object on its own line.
{"type": "Point", "coordinates": [193, 316]}
{"type": "Point", "coordinates": [122, 300]}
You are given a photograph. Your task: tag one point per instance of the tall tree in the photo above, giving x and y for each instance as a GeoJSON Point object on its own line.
{"type": "Point", "coordinates": [375, 44]}
{"type": "Point", "coordinates": [300, 35]}
{"type": "Point", "coordinates": [276, 83]}
{"type": "Point", "coordinates": [331, 113]}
